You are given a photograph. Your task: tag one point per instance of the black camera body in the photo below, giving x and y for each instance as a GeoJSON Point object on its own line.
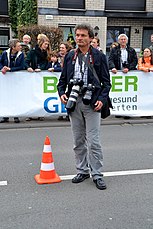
{"type": "Point", "coordinates": [76, 85]}
{"type": "Point", "coordinates": [88, 94]}
{"type": "Point", "coordinates": [125, 64]}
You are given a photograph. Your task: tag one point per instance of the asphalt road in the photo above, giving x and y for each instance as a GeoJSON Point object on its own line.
{"type": "Point", "coordinates": [127, 203]}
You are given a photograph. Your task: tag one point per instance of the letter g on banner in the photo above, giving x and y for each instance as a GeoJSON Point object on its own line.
{"type": "Point", "coordinates": [54, 107]}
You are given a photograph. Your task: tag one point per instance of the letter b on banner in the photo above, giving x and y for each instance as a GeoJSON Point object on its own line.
{"type": "Point", "coordinates": [50, 84]}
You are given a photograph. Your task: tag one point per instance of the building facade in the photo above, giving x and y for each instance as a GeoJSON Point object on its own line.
{"type": "Point", "coordinates": [108, 18]}
{"type": "Point", "coordinates": [4, 25]}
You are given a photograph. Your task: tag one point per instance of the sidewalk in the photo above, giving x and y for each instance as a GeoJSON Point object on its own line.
{"type": "Point", "coordinates": [53, 122]}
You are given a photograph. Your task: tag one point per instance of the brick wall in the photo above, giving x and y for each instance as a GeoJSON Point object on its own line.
{"type": "Point", "coordinates": [149, 5]}
{"type": "Point", "coordinates": [96, 5]}
{"type": "Point", "coordinates": [101, 22]}
{"type": "Point", "coordinates": [47, 3]}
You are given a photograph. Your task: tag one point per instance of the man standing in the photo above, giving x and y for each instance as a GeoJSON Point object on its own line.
{"type": "Point", "coordinates": [85, 117]}
{"type": "Point", "coordinates": [122, 57]}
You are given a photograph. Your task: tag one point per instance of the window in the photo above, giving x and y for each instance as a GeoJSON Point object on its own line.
{"type": "Point", "coordinates": [130, 5]}
{"type": "Point", "coordinates": [112, 35]}
{"type": "Point", "coordinates": [68, 34]}
{"type": "Point", "coordinates": [146, 42]}
{"type": "Point", "coordinates": [4, 9]}
{"type": "Point", "coordinates": [4, 38]}
{"type": "Point", "coordinates": [71, 4]}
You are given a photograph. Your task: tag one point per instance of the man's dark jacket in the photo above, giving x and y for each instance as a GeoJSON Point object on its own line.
{"type": "Point", "coordinates": [101, 67]}
{"type": "Point", "coordinates": [114, 59]}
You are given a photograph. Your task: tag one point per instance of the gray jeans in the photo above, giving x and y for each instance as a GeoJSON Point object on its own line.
{"type": "Point", "coordinates": [85, 123]}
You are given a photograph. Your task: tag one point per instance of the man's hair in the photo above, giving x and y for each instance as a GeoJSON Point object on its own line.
{"type": "Point", "coordinates": [123, 35]}
{"type": "Point", "coordinates": [26, 35]}
{"type": "Point", "coordinates": [67, 44]}
{"type": "Point", "coordinates": [86, 27]}
{"type": "Point", "coordinates": [13, 42]}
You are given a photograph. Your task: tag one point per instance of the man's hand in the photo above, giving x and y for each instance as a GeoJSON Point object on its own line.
{"type": "Point", "coordinates": [98, 105]}
{"type": "Point", "coordinates": [64, 99]}
{"type": "Point", "coordinates": [114, 70]}
{"type": "Point", "coordinates": [50, 69]}
{"type": "Point", "coordinates": [5, 69]}
{"type": "Point", "coordinates": [30, 70]}
{"type": "Point", "coordinates": [37, 70]}
{"type": "Point", "coordinates": [125, 70]}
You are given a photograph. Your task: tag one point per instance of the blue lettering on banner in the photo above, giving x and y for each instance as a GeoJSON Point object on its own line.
{"type": "Point", "coordinates": [55, 107]}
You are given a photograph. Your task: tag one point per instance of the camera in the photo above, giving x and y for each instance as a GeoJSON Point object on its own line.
{"type": "Point", "coordinates": [76, 85]}
{"type": "Point", "coordinates": [125, 64]}
{"type": "Point", "coordinates": [88, 94]}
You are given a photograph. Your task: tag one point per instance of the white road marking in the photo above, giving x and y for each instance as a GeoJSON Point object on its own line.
{"type": "Point", "coordinates": [117, 173]}
{"type": "Point", "coordinates": [3, 183]}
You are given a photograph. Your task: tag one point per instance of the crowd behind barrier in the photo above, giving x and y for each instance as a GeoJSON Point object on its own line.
{"type": "Point", "coordinates": [24, 94]}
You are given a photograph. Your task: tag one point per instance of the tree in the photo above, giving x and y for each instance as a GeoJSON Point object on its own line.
{"type": "Point", "coordinates": [27, 12]}
{"type": "Point", "coordinates": [13, 15]}
{"type": "Point", "coordinates": [22, 12]}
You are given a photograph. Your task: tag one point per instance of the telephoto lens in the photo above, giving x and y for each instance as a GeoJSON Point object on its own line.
{"type": "Point", "coordinates": [88, 94]}
{"type": "Point", "coordinates": [77, 83]}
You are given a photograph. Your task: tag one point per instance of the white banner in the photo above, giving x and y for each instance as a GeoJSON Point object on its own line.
{"type": "Point", "coordinates": [24, 94]}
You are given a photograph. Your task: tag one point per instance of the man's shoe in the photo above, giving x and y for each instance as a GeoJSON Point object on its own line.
{"type": "Point", "coordinates": [100, 184]}
{"type": "Point", "coordinates": [16, 120]}
{"type": "Point", "coordinates": [80, 177]}
{"type": "Point", "coordinates": [4, 120]}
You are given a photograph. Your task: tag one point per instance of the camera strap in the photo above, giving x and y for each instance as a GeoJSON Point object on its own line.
{"type": "Point", "coordinates": [92, 69]}
{"type": "Point", "coordinates": [88, 61]}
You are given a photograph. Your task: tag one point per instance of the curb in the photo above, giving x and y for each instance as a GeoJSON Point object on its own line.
{"type": "Point", "coordinates": [53, 122]}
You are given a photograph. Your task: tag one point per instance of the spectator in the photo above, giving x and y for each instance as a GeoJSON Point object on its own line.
{"type": "Point", "coordinates": [25, 44]}
{"type": "Point", "coordinates": [151, 39]}
{"type": "Point", "coordinates": [37, 58]}
{"type": "Point", "coordinates": [122, 57]}
{"type": "Point", "coordinates": [12, 60]}
{"type": "Point", "coordinates": [145, 63]}
{"type": "Point", "coordinates": [65, 47]}
{"type": "Point", "coordinates": [26, 40]}
{"type": "Point", "coordinates": [40, 36]}
{"type": "Point", "coordinates": [96, 43]}
{"type": "Point", "coordinates": [54, 65]}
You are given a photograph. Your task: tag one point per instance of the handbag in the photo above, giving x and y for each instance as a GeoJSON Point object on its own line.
{"type": "Point", "coordinates": [105, 110]}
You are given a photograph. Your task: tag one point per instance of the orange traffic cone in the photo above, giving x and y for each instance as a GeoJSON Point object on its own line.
{"type": "Point", "coordinates": [47, 174]}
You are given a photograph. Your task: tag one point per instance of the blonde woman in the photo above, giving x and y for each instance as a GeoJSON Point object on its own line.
{"type": "Point", "coordinates": [37, 58]}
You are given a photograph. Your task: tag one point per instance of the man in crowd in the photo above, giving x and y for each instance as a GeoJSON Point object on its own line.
{"type": "Point", "coordinates": [122, 57]}
{"type": "Point", "coordinates": [86, 117]}
{"type": "Point", "coordinates": [12, 60]}
{"type": "Point", "coordinates": [25, 44]}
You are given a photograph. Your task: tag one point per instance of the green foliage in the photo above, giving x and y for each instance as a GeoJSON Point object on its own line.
{"type": "Point", "coordinates": [55, 35]}
{"type": "Point", "coordinates": [22, 12]}
{"type": "Point", "coordinates": [13, 15]}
